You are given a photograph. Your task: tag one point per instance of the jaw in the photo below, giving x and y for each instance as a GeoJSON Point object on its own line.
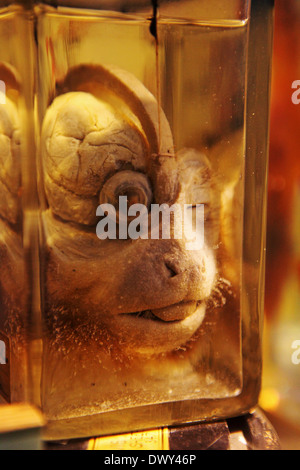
{"type": "Point", "coordinates": [146, 334]}
{"type": "Point", "coordinates": [126, 290]}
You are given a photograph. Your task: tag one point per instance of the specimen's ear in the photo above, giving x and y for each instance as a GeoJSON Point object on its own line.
{"type": "Point", "coordinates": [195, 177]}
{"type": "Point", "coordinates": [198, 186]}
{"type": "Point", "coordinates": [124, 90]}
{"type": "Point", "coordinates": [227, 160]}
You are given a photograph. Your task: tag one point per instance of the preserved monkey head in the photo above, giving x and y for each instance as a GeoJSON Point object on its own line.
{"type": "Point", "coordinates": [103, 137]}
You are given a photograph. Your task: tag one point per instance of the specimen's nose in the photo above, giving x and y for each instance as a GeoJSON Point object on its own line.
{"type": "Point", "coordinates": [189, 275]}
{"type": "Point", "coordinates": [192, 269]}
{"type": "Point", "coordinates": [155, 274]}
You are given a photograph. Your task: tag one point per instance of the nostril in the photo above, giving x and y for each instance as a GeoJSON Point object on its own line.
{"type": "Point", "coordinates": [171, 268]}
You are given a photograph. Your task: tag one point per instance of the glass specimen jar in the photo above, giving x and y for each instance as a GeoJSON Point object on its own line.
{"type": "Point", "coordinates": [18, 202]}
{"type": "Point", "coordinates": [152, 136]}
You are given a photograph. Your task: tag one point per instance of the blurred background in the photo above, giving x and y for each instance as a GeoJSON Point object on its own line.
{"type": "Point", "coordinates": [280, 396]}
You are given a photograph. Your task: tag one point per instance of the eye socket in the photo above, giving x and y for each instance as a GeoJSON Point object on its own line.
{"type": "Point", "coordinates": [133, 185]}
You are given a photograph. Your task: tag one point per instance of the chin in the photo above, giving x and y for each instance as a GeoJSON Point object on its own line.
{"type": "Point", "coordinates": [144, 333]}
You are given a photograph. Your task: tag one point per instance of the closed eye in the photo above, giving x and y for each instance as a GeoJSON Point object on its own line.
{"type": "Point", "coordinates": [207, 208]}
{"type": "Point", "coordinates": [195, 206]}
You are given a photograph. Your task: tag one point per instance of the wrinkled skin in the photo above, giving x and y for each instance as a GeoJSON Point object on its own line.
{"type": "Point", "coordinates": [9, 162]}
{"type": "Point", "coordinates": [150, 295]}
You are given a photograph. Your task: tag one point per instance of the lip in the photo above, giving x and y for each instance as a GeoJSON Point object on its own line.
{"type": "Point", "coordinates": [170, 314]}
{"type": "Point", "coordinates": [145, 333]}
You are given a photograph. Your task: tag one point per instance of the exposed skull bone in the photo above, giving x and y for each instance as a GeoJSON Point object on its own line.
{"type": "Point", "coordinates": [149, 294]}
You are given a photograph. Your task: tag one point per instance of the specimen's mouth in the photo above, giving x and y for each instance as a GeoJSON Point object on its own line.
{"type": "Point", "coordinates": [155, 331]}
{"type": "Point", "coordinates": [170, 314]}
